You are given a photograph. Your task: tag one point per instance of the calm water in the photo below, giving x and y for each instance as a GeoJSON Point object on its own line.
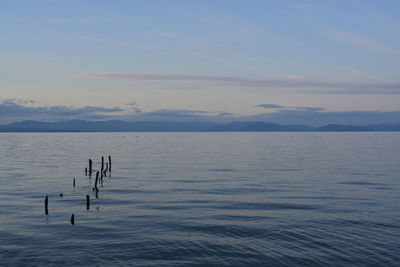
{"type": "Point", "coordinates": [212, 199]}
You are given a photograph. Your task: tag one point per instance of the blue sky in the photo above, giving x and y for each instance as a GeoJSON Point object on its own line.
{"type": "Point", "coordinates": [130, 58]}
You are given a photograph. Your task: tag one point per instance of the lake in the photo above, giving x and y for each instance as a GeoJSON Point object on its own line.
{"type": "Point", "coordinates": [201, 199]}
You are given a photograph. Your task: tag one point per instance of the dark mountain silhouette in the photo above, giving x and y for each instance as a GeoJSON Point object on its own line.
{"type": "Point", "coordinates": [166, 126]}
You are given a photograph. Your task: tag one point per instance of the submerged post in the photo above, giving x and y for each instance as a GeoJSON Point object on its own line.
{"type": "Point", "coordinates": [46, 205]}
{"type": "Point", "coordinates": [90, 166]}
{"type": "Point", "coordinates": [109, 163]}
{"type": "Point", "coordinates": [87, 202]}
{"type": "Point", "coordinates": [73, 183]}
{"type": "Point", "coordinates": [102, 163]}
{"type": "Point", "coordinates": [73, 218]}
{"type": "Point", "coordinates": [96, 181]}
{"type": "Point", "coordinates": [95, 188]}
{"type": "Point", "coordinates": [85, 171]}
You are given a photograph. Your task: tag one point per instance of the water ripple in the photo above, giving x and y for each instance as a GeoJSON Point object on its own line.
{"type": "Point", "coordinates": [222, 199]}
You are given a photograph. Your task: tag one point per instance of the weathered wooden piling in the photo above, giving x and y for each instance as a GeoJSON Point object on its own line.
{"type": "Point", "coordinates": [96, 181]}
{"type": "Point", "coordinates": [109, 163]}
{"type": "Point", "coordinates": [73, 183]}
{"type": "Point", "coordinates": [102, 163]}
{"type": "Point", "coordinates": [87, 202]}
{"type": "Point", "coordinates": [46, 205]}
{"type": "Point", "coordinates": [61, 194]}
{"type": "Point", "coordinates": [106, 167]}
{"type": "Point", "coordinates": [90, 166]}
{"type": "Point", "coordinates": [85, 171]}
{"type": "Point", "coordinates": [73, 218]}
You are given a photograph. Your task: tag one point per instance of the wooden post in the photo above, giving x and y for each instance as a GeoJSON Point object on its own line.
{"type": "Point", "coordinates": [102, 163]}
{"type": "Point", "coordinates": [109, 163]}
{"type": "Point", "coordinates": [95, 183]}
{"type": "Point", "coordinates": [90, 166]}
{"type": "Point", "coordinates": [72, 219]}
{"type": "Point", "coordinates": [87, 202]}
{"type": "Point", "coordinates": [46, 205]}
{"type": "Point", "coordinates": [85, 171]}
{"type": "Point", "coordinates": [73, 183]}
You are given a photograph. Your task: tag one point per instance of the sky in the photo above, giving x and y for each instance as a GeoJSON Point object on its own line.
{"type": "Point", "coordinates": [222, 60]}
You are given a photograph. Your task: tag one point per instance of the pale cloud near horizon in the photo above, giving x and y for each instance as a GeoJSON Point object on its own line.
{"type": "Point", "coordinates": [297, 82]}
{"type": "Point", "coordinates": [269, 106]}
{"type": "Point", "coordinates": [19, 109]}
{"type": "Point", "coordinates": [281, 108]}
{"type": "Point", "coordinates": [15, 110]}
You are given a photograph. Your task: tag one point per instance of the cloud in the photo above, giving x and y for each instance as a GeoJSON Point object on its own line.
{"type": "Point", "coordinates": [289, 109]}
{"type": "Point", "coordinates": [187, 114]}
{"type": "Point", "coordinates": [134, 107]}
{"type": "Point", "coordinates": [269, 106]}
{"type": "Point", "coordinates": [17, 109]}
{"type": "Point", "coordinates": [176, 113]}
{"type": "Point", "coordinates": [306, 109]}
{"type": "Point", "coordinates": [310, 86]}
{"type": "Point", "coordinates": [13, 110]}
{"type": "Point", "coordinates": [361, 42]}
{"type": "Point", "coordinates": [225, 114]}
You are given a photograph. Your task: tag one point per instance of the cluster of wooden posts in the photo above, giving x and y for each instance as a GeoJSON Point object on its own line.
{"type": "Point", "coordinates": [104, 172]}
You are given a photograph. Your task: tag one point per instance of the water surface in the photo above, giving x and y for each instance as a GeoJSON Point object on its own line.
{"type": "Point", "coordinates": [208, 199]}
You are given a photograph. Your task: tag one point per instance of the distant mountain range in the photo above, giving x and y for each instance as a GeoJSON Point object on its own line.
{"type": "Point", "coordinates": [166, 126]}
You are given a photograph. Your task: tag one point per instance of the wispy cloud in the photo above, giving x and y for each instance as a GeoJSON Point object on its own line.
{"type": "Point", "coordinates": [305, 109]}
{"type": "Point", "coordinates": [269, 106]}
{"type": "Point", "coordinates": [289, 109]}
{"type": "Point", "coordinates": [176, 113]}
{"type": "Point", "coordinates": [361, 42]}
{"type": "Point", "coordinates": [235, 81]}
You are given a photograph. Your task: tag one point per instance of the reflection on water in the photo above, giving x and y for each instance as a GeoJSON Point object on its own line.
{"type": "Point", "coordinates": [213, 199]}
